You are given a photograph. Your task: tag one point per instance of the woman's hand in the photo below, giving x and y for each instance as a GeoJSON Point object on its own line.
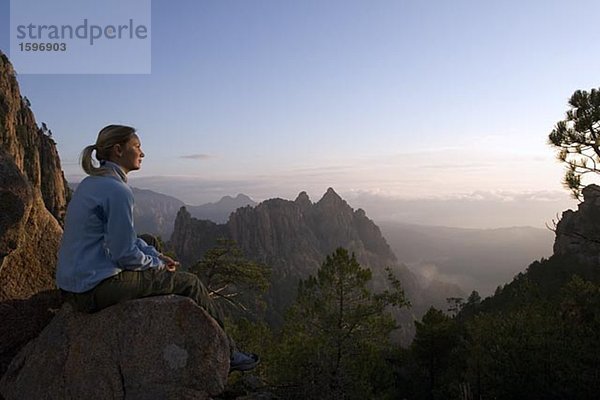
{"type": "Point", "coordinates": [170, 264]}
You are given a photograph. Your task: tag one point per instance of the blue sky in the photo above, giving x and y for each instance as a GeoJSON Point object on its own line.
{"type": "Point", "coordinates": [404, 99]}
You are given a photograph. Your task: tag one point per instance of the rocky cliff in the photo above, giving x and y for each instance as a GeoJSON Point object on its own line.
{"type": "Point", "coordinates": [33, 196]}
{"type": "Point", "coordinates": [155, 213]}
{"type": "Point", "coordinates": [578, 232]}
{"type": "Point", "coordinates": [191, 238]}
{"type": "Point", "coordinates": [294, 237]}
{"type": "Point", "coordinates": [163, 347]}
{"type": "Point", "coordinates": [34, 152]}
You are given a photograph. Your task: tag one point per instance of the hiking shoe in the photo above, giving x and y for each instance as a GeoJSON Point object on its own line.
{"type": "Point", "coordinates": [242, 361]}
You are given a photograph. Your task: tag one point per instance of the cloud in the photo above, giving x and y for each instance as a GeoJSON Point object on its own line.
{"type": "Point", "coordinates": [466, 166]}
{"type": "Point", "coordinates": [507, 196]}
{"type": "Point", "coordinates": [479, 209]}
{"type": "Point", "coordinates": [197, 156]}
{"type": "Point", "coordinates": [430, 273]}
{"type": "Point", "coordinates": [428, 150]}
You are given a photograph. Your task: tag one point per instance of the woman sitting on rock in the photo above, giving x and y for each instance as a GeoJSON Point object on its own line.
{"type": "Point", "coordinates": [101, 260]}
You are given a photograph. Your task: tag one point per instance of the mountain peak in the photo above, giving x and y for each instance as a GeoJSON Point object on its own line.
{"type": "Point", "coordinates": [219, 211]}
{"type": "Point", "coordinates": [241, 199]}
{"type": "Point", "coordinates": [302, 195]}
{"type": "Point", "coordinates": [303, 200]}
{"type": "Point", "coordinates": [331, 197]}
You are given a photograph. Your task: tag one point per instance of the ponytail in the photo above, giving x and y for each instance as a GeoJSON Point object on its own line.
{"type": "Point", "coordinates": [86, 161]}
{"type": "Point", "coordinates": [108, 137]}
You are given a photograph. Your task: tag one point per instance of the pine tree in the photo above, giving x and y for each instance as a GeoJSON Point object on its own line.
{"type": "Point", "coordinates": [577, 138]}
{"type": "Point", "coordinates": [231, 278]}
{"type": "Point", "coordinates": [435, 341]}
{"type": "Point", "coordinates": [336, 334]}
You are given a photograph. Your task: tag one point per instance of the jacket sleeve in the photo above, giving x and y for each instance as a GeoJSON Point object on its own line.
{"type": "Point", "coordinates": [120, 237]}
{"type": "Point", "coordinates": [146, 248]}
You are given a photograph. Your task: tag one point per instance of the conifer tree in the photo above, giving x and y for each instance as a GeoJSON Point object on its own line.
{"type": "Point", "coordinates": [336, 334]}
{"type": "Point", "coordinates": [231, 278]}
{"type": "Point", "coordinates": [435, 341]}
{"type": "Point", "coordinates": [577, 139]}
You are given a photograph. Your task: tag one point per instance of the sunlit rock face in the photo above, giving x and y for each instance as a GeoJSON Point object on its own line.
{"type": "Point", "coordinates": [32, 150]}
{"type": "Point", "coordinates": [33, 195]}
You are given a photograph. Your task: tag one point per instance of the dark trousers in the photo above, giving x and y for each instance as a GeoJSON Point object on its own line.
{"type": "Point", "coordinates": [129, 285]}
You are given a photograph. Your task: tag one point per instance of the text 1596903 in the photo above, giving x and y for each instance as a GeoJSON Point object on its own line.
{"type": "Point", "coordinates": [35, 46]}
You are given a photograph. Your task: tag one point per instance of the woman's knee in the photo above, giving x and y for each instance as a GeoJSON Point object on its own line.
{"type": "Point", "coordinates": [185, 283]}
{"type": "Point", "coordinates": [186, 278]}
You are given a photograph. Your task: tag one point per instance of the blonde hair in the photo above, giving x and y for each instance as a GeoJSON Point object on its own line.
{"type": "Point", "coordinates": [108, 137]}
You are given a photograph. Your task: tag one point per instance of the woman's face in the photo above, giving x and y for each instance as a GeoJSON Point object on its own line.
{"type": "Point", "coordinates": [129, 156]}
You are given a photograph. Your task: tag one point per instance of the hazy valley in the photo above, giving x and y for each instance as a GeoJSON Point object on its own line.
{"type": "Point", "coordinates": [472, 259]}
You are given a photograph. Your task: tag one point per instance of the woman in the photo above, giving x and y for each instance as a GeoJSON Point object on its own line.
{"type": "Point", "coordinates": [101, 261]}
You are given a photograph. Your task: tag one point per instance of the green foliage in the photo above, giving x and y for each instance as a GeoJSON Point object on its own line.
{"type": "Point", "coordinates": [232, 278]}
{"type": "Point", "coordinates": [455, 304]}
{"type": "Point", "coordinates": [432, 354]}
{"type": "Point", "coordinates": [545, 349]}
{"type": "Point", "coordinates": [336, 336]}
{"type": "Point", "coordinates": [537, 337]}
{"type": "Point", "coordinates": [435, 336]}
{"type": "Point", "coordinates": [542, 281]}
{"type": "Point", "coordinates": [577, 139]}
{"type": "Point", "coordinates": [459, 308]}
{"type": "Point", "coordinates": [474, 299]}
{"type": "Point", "coordinates": [511, 348]}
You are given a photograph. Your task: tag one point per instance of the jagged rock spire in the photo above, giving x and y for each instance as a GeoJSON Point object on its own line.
{"type": "Point", "coordinates": [303, 200]}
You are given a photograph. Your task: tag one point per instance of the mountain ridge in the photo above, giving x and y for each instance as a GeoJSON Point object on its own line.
{"type": "Point", "coordinates": [294, 237]}
{"type": "Point", "coordinates": [430, 251]}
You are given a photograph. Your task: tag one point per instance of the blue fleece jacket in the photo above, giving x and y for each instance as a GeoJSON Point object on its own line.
{"type": "Point", "coordinates": [99, 240]}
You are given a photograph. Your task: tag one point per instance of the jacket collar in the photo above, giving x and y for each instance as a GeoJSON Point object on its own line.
{"type": "Point", "coordinates": [114, 169]}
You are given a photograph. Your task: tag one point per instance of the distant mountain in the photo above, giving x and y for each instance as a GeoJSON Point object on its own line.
{"type": "Point", "coordinates": [475, 259]}
{"type": "Point", "coordinates": [294, 237]}
{"type": "Point", "coordinates": [219, 212]}
{"type": "Point", "coordinates": [155, 212]}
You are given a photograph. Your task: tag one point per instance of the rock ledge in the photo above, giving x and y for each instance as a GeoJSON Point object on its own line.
{"type": "Point", "coordinates": [163, 347]}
